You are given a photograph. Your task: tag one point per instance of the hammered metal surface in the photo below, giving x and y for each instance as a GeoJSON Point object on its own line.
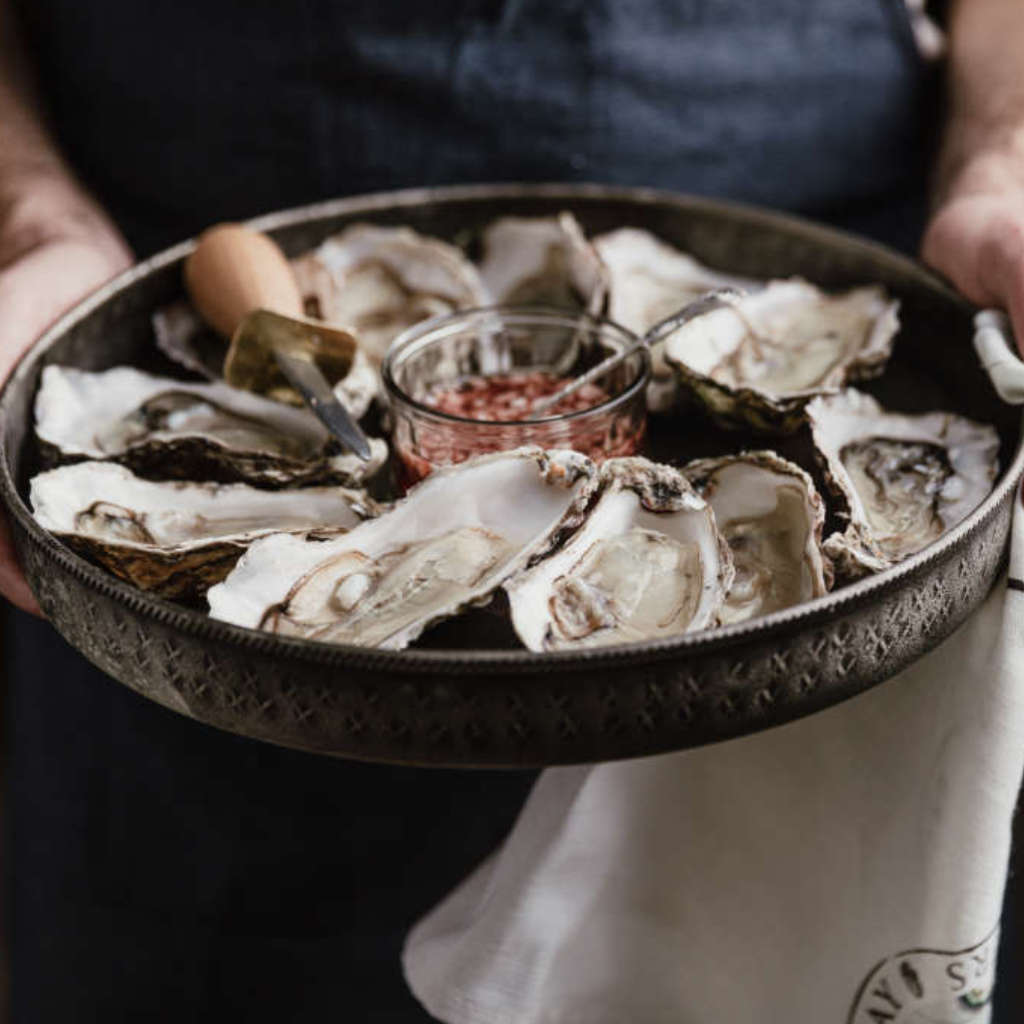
{"type": "Point", "coordinates": [500, 708]}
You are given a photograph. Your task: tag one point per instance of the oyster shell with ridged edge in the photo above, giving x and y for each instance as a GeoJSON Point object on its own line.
{"type": "Point", "coordinates": [172, 429]}
{"type": "Point", "coordinates": [757, 361]}
{"type": "Point", "coordinates": [542, 261]}
{"type": "Point", "coordinates": [649, 280]}
{"type": "Point", "coordinates": [903, 480]}
{"type": "Point", "coordinates": [646, 561]}
{"type": "Point", "coordinates": [770, 512]}
{"type": "Point", "coordinates": [377, 281]}
{"type": "Point", "coordinates": [176, 538]}
{"type": "Point", "coordinates": [447, 545]}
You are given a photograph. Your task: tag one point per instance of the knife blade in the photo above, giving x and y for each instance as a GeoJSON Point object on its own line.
{"type": "Point", "coordinates": [304, 375]}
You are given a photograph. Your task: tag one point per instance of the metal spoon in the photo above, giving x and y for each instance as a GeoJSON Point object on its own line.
{"type": "Point", "coordinates": [243, 287]}
{"type": "Point", "coordinates": [705, 304]}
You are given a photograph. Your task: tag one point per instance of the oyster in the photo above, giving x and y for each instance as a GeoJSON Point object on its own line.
{"type": "Point", "coordinates": [168, 428]}
{"type": "Point", "coordinates": [650, 280]}
{"type": "Point", "coordinates": [448, 544]}
{"type": "Point", "coordinates": [758, 361]}
{"type": "Point", "coordinates": [182, 336]}
{"type": "Point", "coordinates": [378, 281]}
{"type": "Point", "coordinates": [358, 388]}
{"type": "Point", "coordinates": [772, 516]}
{"type": "Point", "coordinates": [176, 538]}
{"type": "Point", "coordinates": [904, 480]}
{"type": "Point", "coordinates": [647, 562]}
{"type": "Point", "coordinates": [542, 261]}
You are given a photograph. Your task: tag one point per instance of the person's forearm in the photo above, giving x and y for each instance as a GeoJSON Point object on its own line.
{"type": "Point", "coordinates": [983, 148]}
{"type": "Point", "coordinates": [27, 149]}
{"type": "Point", "coordinates": [41, 200]}
{"type": "Point", "coordinates": [976, 233]}
{"type": "Point", "coordinates": [56, 243]}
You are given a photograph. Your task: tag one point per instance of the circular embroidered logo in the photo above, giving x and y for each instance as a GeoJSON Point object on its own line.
{"type": "Point", "coordinates": [929, 986]}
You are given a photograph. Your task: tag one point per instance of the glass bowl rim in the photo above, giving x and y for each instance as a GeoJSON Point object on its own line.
{"type": "Point", "coordinates": [416, 334]}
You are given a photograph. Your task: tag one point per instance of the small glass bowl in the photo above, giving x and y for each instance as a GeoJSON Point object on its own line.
{"type": "Point", "coordinates": [460, 359]}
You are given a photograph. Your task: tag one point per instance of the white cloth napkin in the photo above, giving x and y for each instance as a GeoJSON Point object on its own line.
{"type": "Point", "coordinates": [847, 868]}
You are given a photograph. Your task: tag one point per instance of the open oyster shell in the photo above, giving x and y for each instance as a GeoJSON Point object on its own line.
{"type": "Point", "coordinates": [649, 280]}
{"type": "Point", "coordinates": [903, 480]}
{"type": "Point", "coordinates": [772, 516]}
{"type": "Point", "coordinates": [646, 562]}
{"type": "Point", "coordinates": [374, 280]}
{"type": "Point", "coordinates": [449, 544]}
{"type": "Point", "coordinates": [182, 336]}
{"type": "Point", "coordinates": [760, 359]}
{"type": "Point", "coordinates": [378, 281]}
{"type": "Point", "coordinates": [542, 261]}
{"type": "Point", "coordinates": [172, 429]}
{"type": "Point", "coordinates": [175, 538]}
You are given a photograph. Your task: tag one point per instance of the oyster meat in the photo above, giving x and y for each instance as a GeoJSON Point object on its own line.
{"type": "Point", "coordinates": [757, 361]}
{"type": "Point", "coordinates": [646, 561]}
{"type": "Point", "coordinates": [176, 538]}
{"type": "Point", "coordinates": [770, 512]}
{"type": "Point", "coordinates": [449, 544]}
{"type": "Point", "coordinates": [903, 480]}
{"type": "Point", "coordinates": [649, 280]}
{"type": "Point", "coordinates": [172, 429]}
{"type": "Point", "coordinates": [378, 281]}
{"type": "Point", "coordinates": [542, 261]}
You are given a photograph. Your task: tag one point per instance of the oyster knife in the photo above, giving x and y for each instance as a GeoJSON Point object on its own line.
{"type": "Point", "coordinates": [303, 375]}
{"type": "Point", "coordinates": [242, 285]}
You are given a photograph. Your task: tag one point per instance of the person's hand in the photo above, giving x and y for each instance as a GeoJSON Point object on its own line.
{"type": "Point", "coordinates": [56, 246]}
{"type": "Point", "coordinates": [976, 235]}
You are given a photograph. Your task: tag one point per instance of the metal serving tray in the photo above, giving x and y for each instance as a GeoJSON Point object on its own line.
{"type": "Point", "coordinates": [451, 704]}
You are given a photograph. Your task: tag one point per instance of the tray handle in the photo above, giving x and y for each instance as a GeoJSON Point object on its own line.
{"type": "Point", "coordinates": [997, 351]}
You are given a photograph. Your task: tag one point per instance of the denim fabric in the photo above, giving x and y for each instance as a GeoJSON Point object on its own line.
{"type": "Point", "coordinates": [166, 871]}
{"type": "Point", "coordinates": [183, 113]}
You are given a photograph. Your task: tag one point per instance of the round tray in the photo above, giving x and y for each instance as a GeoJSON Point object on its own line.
{"type": "Point", "coordinates": [457, 706]}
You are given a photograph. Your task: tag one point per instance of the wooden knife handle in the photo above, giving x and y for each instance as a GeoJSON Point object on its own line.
{"type": "Point", "coordinates": [234, 270]}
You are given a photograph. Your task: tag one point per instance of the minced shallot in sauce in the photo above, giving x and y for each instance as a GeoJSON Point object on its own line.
{"type": "Point", "coordinates": [502, 405]}
{"type": "Point", "coordinates": [510, 397]}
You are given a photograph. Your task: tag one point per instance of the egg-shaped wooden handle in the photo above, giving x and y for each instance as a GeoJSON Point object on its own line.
{"type": "Point", "coordinates": [234, 270]}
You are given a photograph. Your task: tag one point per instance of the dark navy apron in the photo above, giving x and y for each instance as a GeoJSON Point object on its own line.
{"type": "Point", "coordinates": [162, 870]}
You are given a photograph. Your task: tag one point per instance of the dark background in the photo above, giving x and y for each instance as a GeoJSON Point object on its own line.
{"type": "Point", "coordinates": [1009, 1001]}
